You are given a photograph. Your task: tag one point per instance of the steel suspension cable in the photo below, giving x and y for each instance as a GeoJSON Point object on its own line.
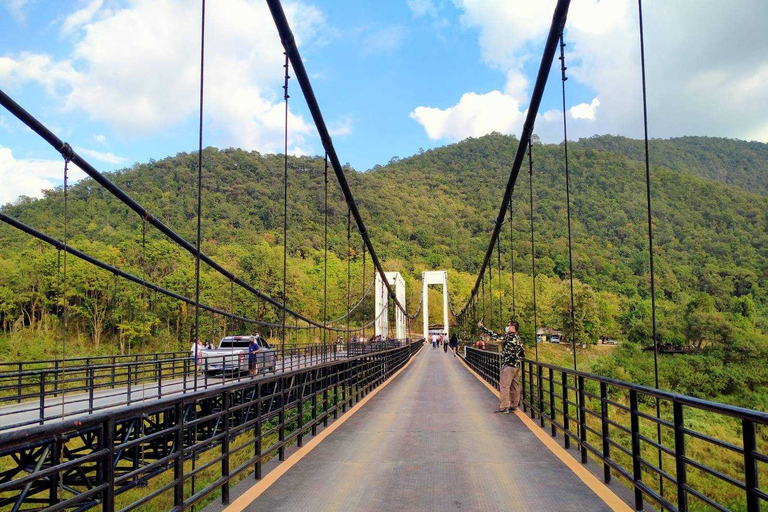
{"type": "Point", "coordinates": [199, 194]}
{"type": "Point", "coordinates": [490, 293]}
{"type": "Point", "coordinates": [285, 211]}
{"type": "Point", "coordinates": [498, 253]}
{"type": "Point", "coordinates": [349, 268]}
{"type": "Point", "coordinates": [650, 237]}
{"type": "Point", "coordinates": [568, 197]}
{"type": "Point", "coordinates": [512, 258]}
{"type": "Point", "coordinates": [325, 252]}
{"type": "Point", "coordinates": [533, 251]}
{"type": "Point", "coordinates": [363, 282]}
{"type": "Point", "coordinates": [64, 273]}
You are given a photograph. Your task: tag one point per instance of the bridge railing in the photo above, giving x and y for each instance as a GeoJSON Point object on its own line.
{"type": "Point", "coordinates": [36, 396]}
{"type": "Point", "coordinates": [676, 452]}
{"type": "Point", "coordinates": [177, 452]}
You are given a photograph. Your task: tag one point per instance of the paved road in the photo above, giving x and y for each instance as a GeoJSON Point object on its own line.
{"type": "Point", "coordinates": [430, 441]}
{"type": "Point", "coordinates": [28, 413]}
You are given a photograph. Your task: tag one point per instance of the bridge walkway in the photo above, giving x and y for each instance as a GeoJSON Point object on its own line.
{"type": "Point", "coordinates": [429, 441]}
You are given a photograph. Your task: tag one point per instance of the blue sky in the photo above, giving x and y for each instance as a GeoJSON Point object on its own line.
{"type": "Point", "coordinates": [118, 78]}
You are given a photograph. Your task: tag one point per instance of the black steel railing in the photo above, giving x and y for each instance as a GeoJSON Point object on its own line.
{"type": "Point", "coordinates": [694, 455]}
{"type": "Point", "coordinates": [36, 396]}
{"type": "Point", "coordinates": [182, 451]}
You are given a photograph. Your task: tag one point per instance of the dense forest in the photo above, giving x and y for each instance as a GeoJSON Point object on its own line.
{"type": "Point", "coordinates": [433, 210]}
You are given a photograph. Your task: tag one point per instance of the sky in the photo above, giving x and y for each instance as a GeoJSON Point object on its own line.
{"type": "Point", "coordinates": [119, 79]}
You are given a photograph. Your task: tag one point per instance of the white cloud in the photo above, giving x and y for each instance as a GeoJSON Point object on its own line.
{"type": "Point", "coordinates": [77, 19]}
{"type": "Point", "coordinates": [341, 127]}
{"type": "Point", "coordinates": [421, 8]}
{"type": "Point", "coordinates": [384, 40]}
{"type": "Point", "coordinates": [585, 110]}
{"type": "Point", "coordinates": [29, 177]}
{"type": "Point", "coordinates": [473, 116]}
{"type": "Point", "coordinates": [109, 158]}
{"type": "Point", "coordinates": [706, 65]}
{"type": "Point", "coordinates": [16, 8]}
{"type": "Point", "coordinates": [137, 69]}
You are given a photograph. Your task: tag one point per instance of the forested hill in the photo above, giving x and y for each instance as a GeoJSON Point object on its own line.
{"type": "Point", "coordinates": [730, 161]}
{"type": "Point", "coordinates": [430, 211]}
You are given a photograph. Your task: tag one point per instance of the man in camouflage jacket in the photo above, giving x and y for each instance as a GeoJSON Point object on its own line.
{"type": "Point", "coordinates": [512, 354]}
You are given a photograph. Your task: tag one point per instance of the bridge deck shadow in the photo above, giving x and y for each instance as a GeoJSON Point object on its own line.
{"type": "Point", "coordinates": [429, 441]}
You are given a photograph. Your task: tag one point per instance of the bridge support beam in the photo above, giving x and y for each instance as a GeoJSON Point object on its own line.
{"type": "Point", "coordinates": [434, 277]}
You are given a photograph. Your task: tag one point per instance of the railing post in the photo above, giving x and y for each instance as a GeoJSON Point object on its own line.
{"type": "Point", "coordinates": [552, 402]}
{"type": "Point", "coordinates": [178, 461]}
{"type": "Point", "coordinates": [114, 362]}
{"type": "Point", "coordinates": [91, 384]}
{"type": "Point", "coordinates": [522, 380]}
{"type": "Point", "coordinates": [225, 449]}
{"type": "Point", "coordinates": [42, 397]}
{"type": "Point", "coordinates": [128, 389]}
{"type": "Point", "coordinates": [530, 386]}
{"type": "Point", "coordinates": [108, 465]}
{"type": "Point", "coordinates": [680, 466]}
{"type": "Point", "coordinates": [18, 400]}
{"type": "Point", "coordinates": [159, 380]}
{"type": "Point", "coordinates": [300, 412]}
{"type": "Point", "coordinates": [281, 417]}
{"type": "Point", "coordinates": [582, 420]}
{"type": "Point", "coordinates": [750, 465]}
{"type": "Point", "coordinates": [566, 407]}
{"type": "Point", "coordinates": [314, 373]}
{"type": "Point", "coordinates": [540, 388]}
{"type": "Point", "coordinates": [257, 435]}
{"type": "Point", "coordinates": [605, 431]}
{"type": "Point", "coordinates": [637, 472]}
{"type": "Point", "coordinates": [55, 378]}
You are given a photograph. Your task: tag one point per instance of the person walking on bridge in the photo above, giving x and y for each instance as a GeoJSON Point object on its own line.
{"type": "Point", "coordinates": [445, 344]}
{"type": "Point", "coordinates": [512, 354]}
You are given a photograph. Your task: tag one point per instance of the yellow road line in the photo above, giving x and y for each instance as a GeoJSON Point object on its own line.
{"type": "Point", "coordinates": [590, 480]}
{"type": "Point", "coordinates": [262, 485]}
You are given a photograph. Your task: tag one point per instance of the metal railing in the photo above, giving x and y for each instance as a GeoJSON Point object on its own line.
{"type": "Point", "coordinates": [184, 450]}
{"type": "Point", "coordinates": [36, 396]}
{"type": "Point", "coordinates": [671, 460]}
{"type": "Point", "coordinates": [23, 366]}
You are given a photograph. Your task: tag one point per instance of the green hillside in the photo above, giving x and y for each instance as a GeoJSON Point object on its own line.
{"type": "Point", "coordinates": [433, 210]}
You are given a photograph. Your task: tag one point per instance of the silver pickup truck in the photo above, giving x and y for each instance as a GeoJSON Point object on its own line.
{"type": "Point", "coordinates": [232, 356]}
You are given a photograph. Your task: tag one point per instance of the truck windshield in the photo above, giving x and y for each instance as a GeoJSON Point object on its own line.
{"type": "Point", "coordinates": [234, 343]}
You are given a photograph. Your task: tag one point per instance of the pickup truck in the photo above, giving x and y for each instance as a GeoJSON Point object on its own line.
{"type": "Point", "coordinates": [231, 356]}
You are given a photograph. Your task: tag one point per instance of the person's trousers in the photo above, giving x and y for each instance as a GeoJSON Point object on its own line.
{"type": "Point", "coordinates": [445, 347]}
{"type": "Point", "coordinates": [509, 387]}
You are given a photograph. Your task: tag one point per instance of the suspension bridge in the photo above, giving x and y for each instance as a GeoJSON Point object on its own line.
{"type": "Point", "coordinates": [371, 418]}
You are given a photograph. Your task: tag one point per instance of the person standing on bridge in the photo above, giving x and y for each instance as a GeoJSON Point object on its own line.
{"type": "Point", "coordinates": [512, 354]}
{"type": "Point", "coordinates": [454, 343]}
{"type": "Point", "coordinates": [445, 344]}
{"type": "Point", "coordinates": [253, 355]}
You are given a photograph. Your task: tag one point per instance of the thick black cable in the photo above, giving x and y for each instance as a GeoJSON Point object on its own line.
{"type": "Point", "coordinates": [550, 47]}
{"type": "Point", "coordinates": [285, 207]}
{"type": "Point", "coordinates": [61, 246]}
{"type": "Point", "coordinates": [533, 250]}
{"type": "Point", "coordinates": [302, 77]}
{"type": "Point", "coordinates": [568, 197]}
{"type": "Point", "coordinates": [67, 152]}
{"type": "Point", "coordinates": [650, 236]}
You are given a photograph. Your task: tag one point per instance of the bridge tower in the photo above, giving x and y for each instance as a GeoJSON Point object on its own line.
{"type": "Point", "coordinates": [434, 277]}
{"type": "Point", "coordinates": [381, 326]}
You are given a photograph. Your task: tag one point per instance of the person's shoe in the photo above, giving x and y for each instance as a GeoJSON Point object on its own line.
{"type": "Point", "coordinates": [502, 411]}
{"type": "Point", "coordinates": [512, 409]}
{"type": "Point", "coordinates": [507, 411]}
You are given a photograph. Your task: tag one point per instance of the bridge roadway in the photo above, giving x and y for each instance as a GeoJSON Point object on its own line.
{"type": "Point", "coordinates": [429, 440]}
{"type": "Point", "coordinates": [27, 413]}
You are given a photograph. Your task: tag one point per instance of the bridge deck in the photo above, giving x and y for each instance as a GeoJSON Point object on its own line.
{"type": "Point", "coordinates": [430, 441]}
